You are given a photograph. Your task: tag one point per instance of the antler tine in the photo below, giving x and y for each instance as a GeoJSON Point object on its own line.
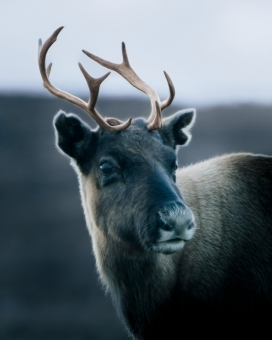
{"type": "Point", "coordinates": [169, 100]}
{"type": "Point", "coordinates": [93, 84]}
{"type": "Point", "coordinates": [48, 70]}
{"type": "Point", "coordinates": [125, 70]}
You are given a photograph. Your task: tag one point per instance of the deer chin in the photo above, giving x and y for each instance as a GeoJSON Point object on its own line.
{"type": "Point", "coordinates": [169, 247]}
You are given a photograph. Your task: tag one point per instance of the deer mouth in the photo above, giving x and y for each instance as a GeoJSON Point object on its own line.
{"type": "Point", "coordinates": [169, 246]}
{"type": "Point", "coordinates": [173, 241]}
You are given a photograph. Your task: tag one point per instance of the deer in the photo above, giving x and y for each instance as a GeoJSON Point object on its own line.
{"type": "Point", "coordinates": [181, 251]}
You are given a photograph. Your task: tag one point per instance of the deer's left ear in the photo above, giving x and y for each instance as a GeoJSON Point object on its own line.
{"type": "Point", "coordinates": [75, 139]}
{"type": "Point", "coordinates": [176, 128]}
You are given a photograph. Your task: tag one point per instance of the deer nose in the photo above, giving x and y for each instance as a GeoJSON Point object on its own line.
{"type": "Point", "coordinates": [175, 226]}
{"type": "Point", "coordinates": [176, 218]}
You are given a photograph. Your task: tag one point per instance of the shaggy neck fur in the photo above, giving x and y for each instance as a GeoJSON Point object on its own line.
{"type": "Point", "coordinates": [159, 294]}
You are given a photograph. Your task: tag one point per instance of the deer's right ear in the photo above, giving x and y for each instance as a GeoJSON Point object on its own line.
{"type": "Point", "coordinates": [176, 128]}
{"type": "Point", "coordinates": [73, 136]}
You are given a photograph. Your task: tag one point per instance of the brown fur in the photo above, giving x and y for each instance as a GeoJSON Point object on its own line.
{"type": "Point", "coordinates": [231, 198]}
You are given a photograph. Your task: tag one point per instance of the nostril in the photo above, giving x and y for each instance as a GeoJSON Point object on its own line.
{"type": "Point", "coordinates": [190, 225]}
{"type": "Point", "coordinates": [163, 224]}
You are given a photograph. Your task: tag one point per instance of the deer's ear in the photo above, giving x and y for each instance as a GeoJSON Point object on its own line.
{"type": "Point", "coordinates": [176, 128]}
{"type": "Point", "coordinates": [74, 137]}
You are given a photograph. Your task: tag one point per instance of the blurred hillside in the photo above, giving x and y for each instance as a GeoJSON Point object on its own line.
{"type": "Point", "coordinates": [49, 288]}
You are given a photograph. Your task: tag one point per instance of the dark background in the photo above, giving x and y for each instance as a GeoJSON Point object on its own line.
{"type": "Point", "coordinates": [49, 288]}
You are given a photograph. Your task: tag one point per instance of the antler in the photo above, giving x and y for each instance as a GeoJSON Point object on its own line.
{"type": "Point", "coordinates": [124, 69]}
{"type": "Point", "coordinates": [93, 85]}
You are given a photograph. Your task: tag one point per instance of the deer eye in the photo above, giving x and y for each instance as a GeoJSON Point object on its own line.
{"type": "Point", "coordinates": [106, 168]}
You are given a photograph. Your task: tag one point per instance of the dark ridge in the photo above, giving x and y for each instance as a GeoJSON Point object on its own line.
{"type": "Point", "coordinates": [49, 288]}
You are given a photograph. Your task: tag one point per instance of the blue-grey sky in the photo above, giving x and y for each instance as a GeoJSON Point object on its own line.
{"type": "Point", "coordinates": [214, 50]}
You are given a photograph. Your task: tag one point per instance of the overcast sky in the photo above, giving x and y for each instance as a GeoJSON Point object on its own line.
{"type": "Point", "coordinates": [214, 50]}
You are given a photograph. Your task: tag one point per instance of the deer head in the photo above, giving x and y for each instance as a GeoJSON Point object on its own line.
{"type": "Point", "coordinates": [127, 169]}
